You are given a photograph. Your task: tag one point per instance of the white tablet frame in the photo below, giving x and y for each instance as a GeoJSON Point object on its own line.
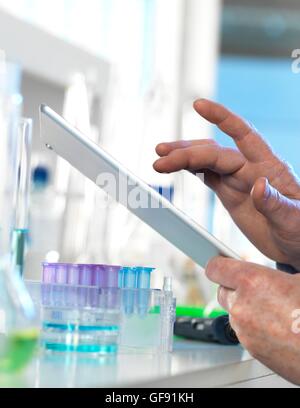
{"type": "Point", "coordinates": [92, 161]}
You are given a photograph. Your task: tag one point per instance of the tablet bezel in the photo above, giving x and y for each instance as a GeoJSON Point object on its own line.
{"type": "Point", "coordinates": [181, 226]}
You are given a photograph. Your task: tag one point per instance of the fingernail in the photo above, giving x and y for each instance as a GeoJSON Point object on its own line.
{"type": "Point", "coordinates": [200, 100]}
{"type": "Point", "coordinates": [268, 191]}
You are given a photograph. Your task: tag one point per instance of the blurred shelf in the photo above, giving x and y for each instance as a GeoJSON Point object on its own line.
{"type": "Point", "coordinates": [46, 56]}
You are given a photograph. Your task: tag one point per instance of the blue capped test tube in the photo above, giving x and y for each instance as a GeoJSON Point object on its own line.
{"type": "Point", "coordinates": [143, 284]}
{"type": "Point", "coordinates": [129, 284]}
{"type": "Point", "coordinates": [135, 280]}
{"type": "Point", "coordinates": [143, 277]}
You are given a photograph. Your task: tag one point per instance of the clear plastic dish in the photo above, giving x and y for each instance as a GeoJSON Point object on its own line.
{"type": "Point", "coordinates": [104, 321]}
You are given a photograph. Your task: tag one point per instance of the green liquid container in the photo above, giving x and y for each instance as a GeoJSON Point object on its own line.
{"type": "Point", "coordinates": [17, 350]}
{"type": "Point", "coordinates": [19, 332]}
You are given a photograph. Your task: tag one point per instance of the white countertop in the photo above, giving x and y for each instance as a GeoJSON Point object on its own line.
{"type": "Point", "coordinates": [190, 365]}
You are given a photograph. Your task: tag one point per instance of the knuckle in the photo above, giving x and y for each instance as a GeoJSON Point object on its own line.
{"type": "Point", "coordinates": [176, 153]}
{"type": "Point", "coordinates": [236, 313]}
{"type": "Point", "coordinates": [282, 173]}
{"type": "Point", "coordinates": [178, 156]}
{"type": "Point", "coordinates": [213, 265]}
{"type": "Point", "coordinates": [239, 316]}
{"type": "Point", "coordinates": [222, 297]}
{"type": "Point", "coordinates": [213, 143]}
{"type": "Point", "coordinates": [251, 281]}
{"type": "Point", "coordinates": [194, 158]}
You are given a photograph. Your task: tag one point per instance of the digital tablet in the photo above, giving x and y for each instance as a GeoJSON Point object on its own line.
{"type": "Point", "coordinates": [140, 199]}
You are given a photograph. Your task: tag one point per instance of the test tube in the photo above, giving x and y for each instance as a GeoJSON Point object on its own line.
{"type": "Point", "coordinates": [129, 278]}
{"type": "Point", "coordinates": [121, 279]}
{"type": "Point", "coordinates": [144, 277]}
{"type": "Point", "coordinates": [49, 273]}
{"type": "Point", "coordinates": [61, 274]}
{"type": "Point", "coordinates": [129, 286]}
{"type": "Point", "coordinates": [73, 275]}
{"type": "Point", "coordinates": [23, 164]}
{"type": "Point", "coordinates": [112, 276]}
{"type": "Point", "coordinates": [112, 280]}
{"type": "Point", "coordinates": [73, 283]}
{"type": "Point", "coordinates": [48, 278]}
{"type": "Point", "coordinates": [85, 280]}
{"type": "Point", "coordinates": [86, 275]}
{"type": "Point", "coordinates": [143, 284]}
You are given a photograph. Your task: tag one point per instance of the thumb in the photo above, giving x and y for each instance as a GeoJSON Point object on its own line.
{"type": "Point", "coordinates": [271, 203]}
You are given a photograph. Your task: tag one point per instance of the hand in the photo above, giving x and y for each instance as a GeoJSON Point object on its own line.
{"type": "Point", "coordinates": [260, 191]}
{"type": "Point", "coordinates": [264, 307]}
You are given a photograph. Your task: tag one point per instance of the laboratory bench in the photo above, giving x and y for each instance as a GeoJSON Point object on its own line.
{"type": "Point", "coordinates": [191, 365]}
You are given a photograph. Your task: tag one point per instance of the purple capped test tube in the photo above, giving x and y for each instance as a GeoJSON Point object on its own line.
{"type": "Point", "coordinates": [61, 274]}
{"type": "Point", "coordinates": [112, 282]}
{"type": "Point", "coordinates": [73, 275]}
{"type": "Point", "coordinates": [73, 283]}
{"type": "Point", "coordinates": [111, 277]}
{"type": "Point", "coordinates": [86, 275]}
{"type": "Point", "coordinates": [85, 280]}
{"type": "Point", "coordinates": [76, 285]}
{"type": "Point", "coordinates": [48, 279]}
{"type": "Point", "coordinates": [59, 289]}
{"type": "Point", "coordinates": [49, 273]}
{"type": "Point", "coordinates": [105, 276]}
{"type": "Point", "coordinates": [98, 276]}
{"type": "Point", "coordinates": [101, 276]}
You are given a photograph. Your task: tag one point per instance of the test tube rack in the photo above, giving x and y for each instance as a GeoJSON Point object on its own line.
{"type": "Point", "coordinates": [100, 321]}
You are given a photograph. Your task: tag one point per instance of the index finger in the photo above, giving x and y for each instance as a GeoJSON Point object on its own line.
{"type": "Point", "coordinates": [249, 142]}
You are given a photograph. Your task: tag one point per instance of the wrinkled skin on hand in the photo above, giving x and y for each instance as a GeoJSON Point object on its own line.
{"type": "Point", "coordinates": [262, 305]}
{"type": "Point", "coordinates": [260, 191]}
{"type": "Point", "coordinates": [262, 195]}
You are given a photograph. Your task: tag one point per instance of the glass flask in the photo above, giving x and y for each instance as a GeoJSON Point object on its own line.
{"type": "Point", "coordinates": [18, 332]}
{"type": "Point", "coordinates": [18, 329]}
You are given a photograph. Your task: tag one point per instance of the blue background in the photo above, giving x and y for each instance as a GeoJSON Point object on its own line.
{"type": "Point", "coordinates": [267, 93]}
